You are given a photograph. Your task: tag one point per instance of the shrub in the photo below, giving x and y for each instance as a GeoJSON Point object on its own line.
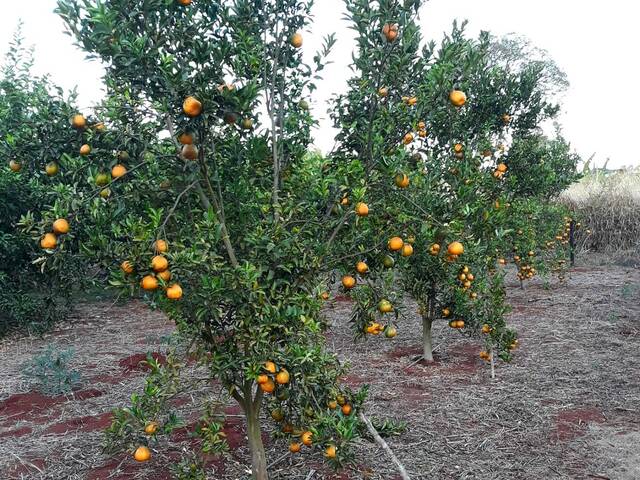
{"type": "Point", "coordinates": [51, 371]}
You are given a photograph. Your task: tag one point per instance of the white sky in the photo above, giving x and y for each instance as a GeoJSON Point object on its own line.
{"type": "Point", "coordinates": [595, 42]}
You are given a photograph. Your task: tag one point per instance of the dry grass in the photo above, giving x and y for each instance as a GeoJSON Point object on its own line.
{"type": "Point", "coordinates": [608, 206]}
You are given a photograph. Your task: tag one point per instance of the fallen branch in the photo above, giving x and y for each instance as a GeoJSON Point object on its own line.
{"type": "Point", "coordinates": [380, 441]}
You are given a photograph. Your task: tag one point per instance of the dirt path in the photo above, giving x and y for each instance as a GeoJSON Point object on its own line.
{"type": "Point", "coordinates": [567, 407]}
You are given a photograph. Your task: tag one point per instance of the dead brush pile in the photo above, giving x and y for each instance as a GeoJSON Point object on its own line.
{"type": "Point", "coordinates": [608, 207]}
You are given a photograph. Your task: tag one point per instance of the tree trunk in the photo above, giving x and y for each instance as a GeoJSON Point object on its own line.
{"type": "Point", "coordinates": [254, 436]}
{"type": "Point", "coordinates": [427, 342]}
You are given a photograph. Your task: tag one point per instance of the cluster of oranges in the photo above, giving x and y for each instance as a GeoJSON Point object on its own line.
{"type": "Point", "coordinates": [272, 376]}
{"type": "Point", "coordinates": [526, 272]}
{"type": "Point", "coordinates": [500, 170]}
{"type": "Point", "coordinates": [49, 241]}
{"type": "Point", "coordinates": [486, 356]}
{"type": "Point", "coordinates": [160, 267]}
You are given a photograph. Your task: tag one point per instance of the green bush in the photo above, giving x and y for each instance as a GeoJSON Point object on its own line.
{"type": "Point", "coordinates": [52, 372]}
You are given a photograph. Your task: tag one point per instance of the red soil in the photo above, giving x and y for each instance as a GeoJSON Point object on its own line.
{"type": "Point", "coordinates": [137, 362]}
{"type": "Point", "coordinates": [571, 424]}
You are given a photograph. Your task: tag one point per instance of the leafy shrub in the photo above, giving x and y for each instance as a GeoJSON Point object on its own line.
{"type": "Point", "coordinates": [52, 372]}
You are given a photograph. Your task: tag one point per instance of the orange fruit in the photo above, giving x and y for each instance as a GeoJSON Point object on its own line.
{"type": "Point", "coordinates": [458, 147]}
{"type": "Point", "coordinates": [49, 241]}
{"type": "Point", "coordinates": [362, 267]}
{"type": "Point", "coordinates": [262, 378]}
{"type": "Point", "coordinates": [362, 209]}
{"type": "Point", "coordinates": [151, 428]}
{"type": "Point", "coordinates": [408, 138]}
{"type": "Point", "coordinates": [486, 328]}
{"type": "Point", "coordinates": [142, 454]}
{"type": "Point", "coordinates": [61, 226]}
{"type": "Point", "coordinates": [330, 451]}
{"type": "Point", "coordinates": [348, 282]}
{"type": "Point", "coordinates": [395, 244]}
{"type": "Point", "coordinates": [307, 438]}
{"type": "Point", "coordinates": [383, 91]}
{"type": "Point", "coordinates": [422, 125]}
{"type": "Point", "coordinates": [390, 31]}
{"type": "Point", "coordinates": [385, 306]}
{"type": "Point", "coordinates": [455, 248]}
{"type": "Point", "coordinates": [446, 312]}
{"type": "Point", "coordinates": [296, 40]}
{"type": "Point", "coordinates": [99, 127]}
{"type": "Point", "coordinates": [390, 332]}
{"type": "Point", "coordinates": [118, 171]}
{"type": "Point", "coordinates": [502, 168]}
{"type": "Point", "coordinates": [346, 409]}
{"type": "Point", "coordinates": [159, 263]}
{"type": "Point", "coordinates": [160, 246]}
{"type": "Point", "coordinates": [294, 447]}
{"type": "Point", "coordinates": [165, 275]}
{"type": "Point", "coordinates": [407, 250]}
{"type": "Point", "coordinates": [78, 121]}
{"type": "Point", "coordinates": [270, 367]}
{"type": "Point", "coordinates": [15, 166]}
{"type": "Point", "coordinates": [283, 377]}
{"type": "Point", "coordinates": [85, 150]}
{"type": "Point", "coordinates": [268, 386]}
{"type": "Point", "coordinates": [174, 292]}
{"type": "Point", "coordinates": [324, 295]}
{"type": "Point", "coordinates": [51, 169]}
{"type": "Point", "coordinates": [506, 119]}
{"type": "Point", "coordinates": [184, 3]}
{"type": "Point", "coordinates": [105, 193]}
{"type": "Point", "coordinates": [402, 180]}
{"type": "Point", "coordinates": [341, 400]}
{"type": "Point", "coordinates": [457, 98]}
{"type": "Point", "coordinates": [186, 138]}
{"type": "Point", "coordinates": [189, 152]}
{"type": "Point", "coordinates": [332, 404]}
{"type": "Point", "coordinates": [277, 415]}
{"type": "Point", "coordinates": [192, 107]}
{"type": "Point", "coordinates": [149, 282]}
{"type": "Point", "coordinates": [126, 266]}
{"type": "Point", "coordinates": [102, 179]}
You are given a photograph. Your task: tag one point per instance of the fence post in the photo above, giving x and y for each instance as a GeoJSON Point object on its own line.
{"type": "Point", "coordinates": [572, 242]}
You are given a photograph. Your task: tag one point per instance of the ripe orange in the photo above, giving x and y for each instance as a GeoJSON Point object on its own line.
{"type": "Point", "coordinates": [15, 166]}
{"type": "Point", "coordinates": [78, 121]}
{"type": "Point", "coordinates": [345, 201]}
{"type": "Point", "coordinates": [294, 447]}
{"type": "Point", "coordinates": [51, 169]}
{"type": "Point", "coordinates": [402, 180]}
{"type": "Point", "coordinates": [307, 438]}
{"type": "Point", "coordinates": [189, 152]}
{"type": "Point", "coordinates": [160, 246]}
{"type": "Point", "coordinates": [411, 101]}
{"type": "Point", "coordinates": [455, 248]}
{"type": "Point", "coordinates": [348, 282]}
{"type": "Point", "coordinates": [192, 107]}
{"type": "Point", "coordinates": [61, 226]}
{"type": "Point", "coordinates": [485, 355]}
{"type": "Point", "coordinates": [362, 209]}
{"type": "Point", "coordinates": [458, 147]}
{"type": "Point", "coordinates": [407, 250]}
{"type": "Point", "coordinates": [270, 367]}
{"type": "Point", "coordinates": [151, 428]}
{"type": "Point", "coordinates": [502, 168]}
{"type": "Point", "coordinates": [330, 451]}
{"type": "Point", "coordinates": [383, 91]}
{"type": "Point", "coordinates": [296, 40]}
{"type": "Point", "coordinates": [85, 150]}
{"type": "Point", "coordinates": [268, 386]}
{"type": "Point", "coordinates": [142, 454]}
{"type": "Point", "coordinates": [126, 266]}
{"type": "Point", "coordinates": [324, 295]}
{"type": "Point", "coordinates": [159, 263]}
{"type": "Point", "coordinates": [165, 275]}
{"type": "Point", "coordinates": [49, 241]}
{"type": "Point", "coordinates": [262, 378]}
{"type": "Point", "coordinates": [457, 98]}
{"type": "Point", "coordinates": [283, 377]}
{"type": "Point", "coordinates": [446, 312]}
{"type": "Point", "coordinates": [390, 31]}
{"type": "Point", "coordinates": [186, 138]}
{"type": "Point", "coordinates": [362, 267]}
{"type": "Point", "coordinates": [118, 171]}
{"type": "Point", "coordinates": [395, 244]}
{"type": "Point", "coordinates": [408, 138]}
{"type": "Point", "coordinates": [149, 282]}
{"type": "Point", "coordinates": [486, 328]}
{"type": "Point", "coordinates": [332, 404]}
{"type": "Point", "coordinates": [346, 409]}
{"type": "Point", "coordinates": [174, 292]}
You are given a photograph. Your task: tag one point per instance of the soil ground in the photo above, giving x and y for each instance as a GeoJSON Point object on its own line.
{"type": "Point", "coordinates": [567, 407]}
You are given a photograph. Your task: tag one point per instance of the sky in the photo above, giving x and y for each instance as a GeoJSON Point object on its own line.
{"type": "Point", "coordinates": [594, 42]}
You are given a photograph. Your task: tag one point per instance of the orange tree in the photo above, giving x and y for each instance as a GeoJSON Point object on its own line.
{"type": "Point", "coordinates": [34, 134]}
{"type": "Point", "coordinates": [431, 173]}
{"type": "Point", "coordinates": [194, 189]}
